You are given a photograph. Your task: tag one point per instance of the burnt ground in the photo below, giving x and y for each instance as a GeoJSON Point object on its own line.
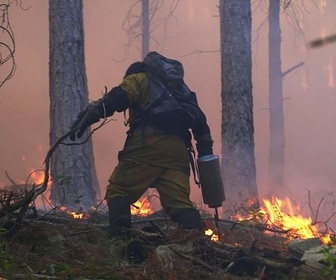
{"type": "Point", "coordinates": [53, 247]}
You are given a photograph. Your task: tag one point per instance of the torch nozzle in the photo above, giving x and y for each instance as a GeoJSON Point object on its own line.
{"type": "Point", "coordinates": [216, 220]}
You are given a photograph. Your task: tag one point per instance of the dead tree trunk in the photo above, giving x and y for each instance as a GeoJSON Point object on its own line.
{"type": "Point", "coordinates": [145, 28]}
{"type": "Point", "coordinates": [276, 123]}
{"type": "Point", "coordinates": [238, 163]}
{"type": "Point", "coordinates": [74, 182]}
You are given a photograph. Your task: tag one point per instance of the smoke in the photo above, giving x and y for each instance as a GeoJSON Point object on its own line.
{"type": "Point", "coordinates": [193, 38]}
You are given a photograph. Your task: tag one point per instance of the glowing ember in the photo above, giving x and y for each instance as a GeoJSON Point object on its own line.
{"type": "Point", "coordinates": [326, 239]}
{"type": "Point", "coordinates": [77, 215]}
{"type": "Point", "coordinates": [208, 232]}
{"type": "Point", "coordinates": [141, 208]}
{"type": "Point", "coordinates": [213, 236]}
{"type": "Point", "coordinates": [74, 214]}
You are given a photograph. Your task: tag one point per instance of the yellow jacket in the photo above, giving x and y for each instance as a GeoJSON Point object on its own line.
{"type": "Point", "coordinates": [148, 144]}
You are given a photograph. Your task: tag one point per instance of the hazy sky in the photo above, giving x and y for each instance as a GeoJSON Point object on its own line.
{"type": "Point", "coordinates": [309, 108]}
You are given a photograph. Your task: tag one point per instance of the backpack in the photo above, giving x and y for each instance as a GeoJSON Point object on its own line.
{"type": "Point", "coordinates": [172, 106]}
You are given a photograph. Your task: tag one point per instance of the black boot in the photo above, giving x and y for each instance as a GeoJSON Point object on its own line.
{"type": "Point", "coordinates": [188, 218]}
{"type": "Point", "coordinates": [119, 216]}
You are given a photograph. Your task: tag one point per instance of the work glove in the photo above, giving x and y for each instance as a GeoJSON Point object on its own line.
{"type": "Point", "coordinates": [88, 117]}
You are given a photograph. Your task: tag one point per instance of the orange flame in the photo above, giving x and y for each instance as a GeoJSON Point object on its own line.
{"type": "Point", "coordinates": [141, 208]}
{"type": "Point", "coordinates": [326, 239]}
{"type": "Point", "coordinates": [298, 226]}
{"type": "Point", "coordinates": [281, 214]}
{"type": "Point", "coordinates": [37, 177]}
{"type": "Point", "coordinates": [213, 236]}
{"type": "Point", "coordinates": [74, 214]}
{"type": "Point", "coordinates": [77, 215]}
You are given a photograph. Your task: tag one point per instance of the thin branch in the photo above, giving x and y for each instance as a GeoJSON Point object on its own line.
{"type": "Point", "coordinates": [10, 179]}
{"type": "Point", "coordinates": [292, 68]}
{"type": "Point", "coordinates": [133, 21]}
{"type": "Point", "coordinates": [104, 122]}
{"type": "Point", "coordinates": [7, 44]}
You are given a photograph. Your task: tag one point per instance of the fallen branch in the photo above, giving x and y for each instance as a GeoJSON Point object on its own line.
{"type": "Point", "coordinates": [29, 196]}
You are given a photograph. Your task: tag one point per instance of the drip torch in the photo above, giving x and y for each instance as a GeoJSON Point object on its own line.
{"type": "Point", "coordinates": [211, 183]}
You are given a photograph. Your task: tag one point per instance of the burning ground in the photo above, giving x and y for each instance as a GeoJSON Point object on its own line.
{"type": "Point", "coordinates": [266, 243]}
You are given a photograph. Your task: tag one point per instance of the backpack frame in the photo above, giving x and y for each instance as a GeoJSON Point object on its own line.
{"type": "Point", "coordinates": [171, 106]}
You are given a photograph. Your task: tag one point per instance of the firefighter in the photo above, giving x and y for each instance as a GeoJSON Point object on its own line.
{"type": "Point", "coordinates": [150, 157]}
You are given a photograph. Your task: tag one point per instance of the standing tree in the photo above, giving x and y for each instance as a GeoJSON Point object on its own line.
{"type": "Point", "coordinates": [74, 182]}
{"type": "Point", "coordinates": [145, 28]}
{"type": "Point", "coordinates": [141, 25]}
{"type": "Point", "coordinates": [276, 123]}
{"type": "Point", "coordinates": [276, 172]}
{"type": "Point", "coordinates": [238, 163]}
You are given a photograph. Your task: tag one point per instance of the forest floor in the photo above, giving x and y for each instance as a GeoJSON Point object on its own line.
{"type": "Point", "coordinates": [65, 248]}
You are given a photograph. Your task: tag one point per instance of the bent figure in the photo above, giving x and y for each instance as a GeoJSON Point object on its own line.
{"type": "Point", "coordinates": [151, 156]}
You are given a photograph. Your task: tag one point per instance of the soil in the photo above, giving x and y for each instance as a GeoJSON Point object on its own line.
{"type": "Point", "coordinates": [67, 248]}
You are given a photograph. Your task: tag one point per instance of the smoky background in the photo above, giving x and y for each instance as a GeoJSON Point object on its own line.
{"type": "Point", "coordinates": [191, 36]}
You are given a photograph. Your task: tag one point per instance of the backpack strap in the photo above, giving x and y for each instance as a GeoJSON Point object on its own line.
{"type": "Point", "coordinates": [193, 164]}
{"type": "Point", "coordinates": [192, 157]}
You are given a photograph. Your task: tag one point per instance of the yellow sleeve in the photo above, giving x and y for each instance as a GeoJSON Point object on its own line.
{"type": "Point", "coordinates": [136, 88]}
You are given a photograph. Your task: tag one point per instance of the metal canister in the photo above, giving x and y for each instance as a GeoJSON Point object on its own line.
{"type": "Point", "coordinates": [211, 180]}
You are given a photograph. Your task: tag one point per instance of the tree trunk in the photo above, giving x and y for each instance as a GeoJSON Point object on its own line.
{"type": "Point", "coordinates": [74, 182]}
{"type": "Point", "coordinates": [276, 124]}
{"type": "Point", "coordinates": [145, 28]}
{"type": "Point", "coordinates": [238, 163]}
